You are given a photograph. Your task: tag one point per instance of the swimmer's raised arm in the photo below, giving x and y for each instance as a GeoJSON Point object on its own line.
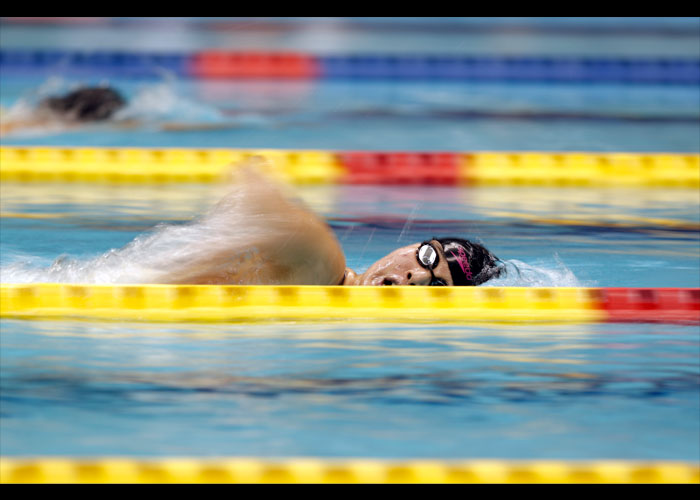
{"type": "Point", "coordinates": [257, 234]}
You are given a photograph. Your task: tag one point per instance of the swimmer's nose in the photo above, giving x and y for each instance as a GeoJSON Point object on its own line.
{"type": "Point", "coordinates": [419, 277]}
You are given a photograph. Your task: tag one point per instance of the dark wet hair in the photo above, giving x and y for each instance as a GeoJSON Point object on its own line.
{"type": "Point", "coordinates": [86, 104]}
{"type": "Point", "coordinates": [470, 263]}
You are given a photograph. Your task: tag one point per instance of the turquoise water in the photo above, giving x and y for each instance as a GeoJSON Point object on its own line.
{"type": "Point", "coordinates": [388, 115]}
{"type": "Point", "coordinates": [565, 237]}
{"type": "Point", "coordinates": [369, 390]}
{"type": "Point", "coordinates": [361, 390]}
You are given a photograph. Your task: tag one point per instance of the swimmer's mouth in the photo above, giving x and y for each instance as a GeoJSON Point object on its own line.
{"type": "Point", "coordinates": [388, 282]}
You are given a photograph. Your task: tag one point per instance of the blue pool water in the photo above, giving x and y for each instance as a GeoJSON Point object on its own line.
{"type": "Point", "coordinates": [337, 390]}
{"type": "Point", "coordinates": [382, 115]}
{"type": "Point", "coordinates": [370, 390]}
{"type": "Point", "coordinates": [567, 237]}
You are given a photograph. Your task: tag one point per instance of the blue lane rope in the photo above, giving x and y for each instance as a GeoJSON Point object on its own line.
{"type": "Point", "coordinates": [675, 70]}
{"type": "Point", "coordinates": [101, 63]}
{"type": "Point", "coordinates": [552, 69]}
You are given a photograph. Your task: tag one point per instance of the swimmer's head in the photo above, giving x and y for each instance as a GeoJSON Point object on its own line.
{"type": "Point", "coordinates": [436, 262]}
{"type": "Point", "coordinates": [85, 104]}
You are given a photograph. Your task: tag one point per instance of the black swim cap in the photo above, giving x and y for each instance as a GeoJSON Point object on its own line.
{"type": "Point", "coordinates": [86, 104]}
{"type": "Point", "coordinates": [470, 264]}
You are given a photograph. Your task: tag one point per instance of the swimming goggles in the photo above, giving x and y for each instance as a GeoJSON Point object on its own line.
{"type": "Point", "coordinates": [428, 258]}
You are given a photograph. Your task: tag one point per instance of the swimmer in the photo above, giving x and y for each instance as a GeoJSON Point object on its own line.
{"type": "Point", "coordinates": [257, 235]}
{"type": "Point", "coordinates": [435, 262]}
{"type": "Point", "coordinates": [79, 108]}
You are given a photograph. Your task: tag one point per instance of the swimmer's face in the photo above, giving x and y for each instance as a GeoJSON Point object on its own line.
{"type": "Point", "coordinates": [417, 264]}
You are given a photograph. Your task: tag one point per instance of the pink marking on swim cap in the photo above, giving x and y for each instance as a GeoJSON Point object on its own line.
{"type": "Point", "coordinates": [463, 262]}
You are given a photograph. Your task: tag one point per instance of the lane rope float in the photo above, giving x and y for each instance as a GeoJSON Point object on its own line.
{"type": "Point", "coordinates": [213, 303]}
{"type": "Point", "coordinates": [173, 165]}
{"type": "Point", "coordinates": [302, 470]}
{"type": "Point", "coordinates": [223, 64]}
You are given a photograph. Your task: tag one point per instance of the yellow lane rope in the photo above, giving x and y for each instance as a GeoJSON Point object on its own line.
{"type": "Point", "coordinates": [299, 303]}
{"type": "Point", "coordinates": [303, 470]}
{"type": "Point", "coordinates": [153, 166]}
{"type": "Point", "coordinates": [584, 169]}
{"type": "Point", "coordinates": [142, 165]}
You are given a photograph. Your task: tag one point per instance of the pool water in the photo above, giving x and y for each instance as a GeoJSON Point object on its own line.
{"type": "Point", "coordinates": [574, 391]}
{"type": "Point", "coordinates": [361, 390]}
{"type": "Point", "coordinates": [386, 115]}
{"type": "Point", "coordinates": [564, 237]}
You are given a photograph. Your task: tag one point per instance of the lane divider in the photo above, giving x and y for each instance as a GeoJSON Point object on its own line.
{"type": "Point", "coordinates": [309, 470]}
{"type": "Point", "coordinates": [171, 165]}
{"type": "Point", "coordinates": [217, 64]}
{"type": "Point", "coordinates": [321, 303]}
{"type": "Point", "coordinates": [651, 305]}
{"type": "Point", "coordinates": [153, 166]}
{"type": "Point", "coordinates": [226, 64]}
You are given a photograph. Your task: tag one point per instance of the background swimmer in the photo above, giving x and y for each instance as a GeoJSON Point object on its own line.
{"type": "Point", "coordinates": [79, 107]}
{"type": "Point", "coordinates": [82, 107]}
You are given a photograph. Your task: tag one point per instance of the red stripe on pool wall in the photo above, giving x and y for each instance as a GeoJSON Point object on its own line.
{"type": "Point", "coordinates": [400, 168]}
{"type": "Point", "coordinates": [662, 305]}
{"type": "Point", "coordinates": [222, 64]}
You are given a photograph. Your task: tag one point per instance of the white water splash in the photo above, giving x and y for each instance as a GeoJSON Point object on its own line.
{"type": "Point", "coordinates": [517, 273]}
{"type": "Point", "coordinates": [162, 103]}
{"type": "Point", "coordinates": [224, 240]}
